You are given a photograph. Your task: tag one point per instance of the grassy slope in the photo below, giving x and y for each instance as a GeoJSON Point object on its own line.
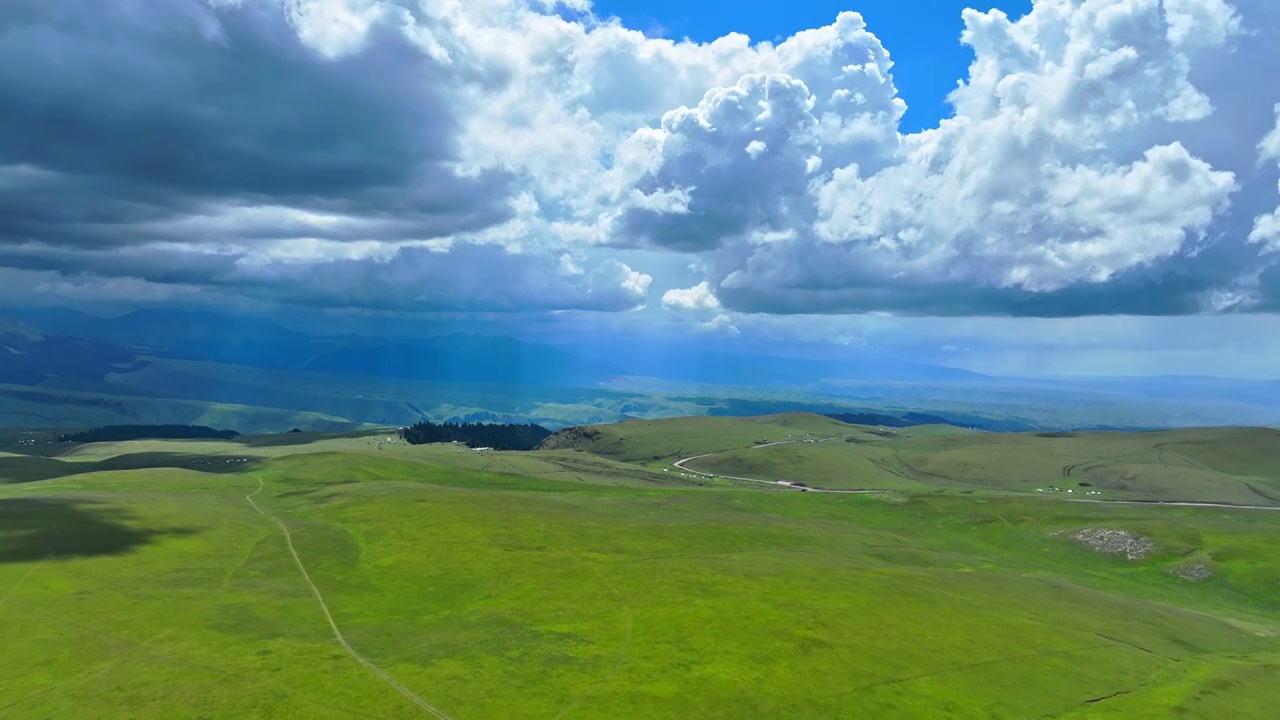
{"type": "Point", "coordinates": [652, 441]}
{"type": "Point", "coordinates": [161, 593]}
{"type": "Point", "coordinates": [660, 441]}
{"type": "Point", "coordinates": [1228, 465]}
{"type": "Point", "coordinates": [246, 453]}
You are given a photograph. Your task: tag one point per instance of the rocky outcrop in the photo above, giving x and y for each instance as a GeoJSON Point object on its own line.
{"type": "Point", "coordinates": [1116, 542]}
{"type": "Point", "coordinates": [571, 438]}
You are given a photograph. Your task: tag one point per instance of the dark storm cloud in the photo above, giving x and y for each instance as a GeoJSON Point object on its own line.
{"type": "Point", "coordinates": [174, 265]}
{"type": "Point", "coordinates": [830, 282]}
{"type": "Point", "coordinates": [481, 278]}
{"type": "Point", "coordinates": [121, 113]}
{"type": "Point", "coordinates": [477, 278]}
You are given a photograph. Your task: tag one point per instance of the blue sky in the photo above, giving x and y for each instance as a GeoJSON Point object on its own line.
{"type": "Point", "coordinates": [923, 36]}
{"type": "Point", "coordinates": [1102, 199]}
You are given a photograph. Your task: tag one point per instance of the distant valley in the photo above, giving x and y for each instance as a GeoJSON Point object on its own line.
{"type": "Point", "coordinates": [64, 369]}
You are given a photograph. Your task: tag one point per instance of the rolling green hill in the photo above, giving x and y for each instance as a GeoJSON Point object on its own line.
{"type": "Point", "coordinates": [565, 584]}
{"type": "Point", "coordinates": [1239, 466]}
{"type": "Point", "coordinates": [657, 440]}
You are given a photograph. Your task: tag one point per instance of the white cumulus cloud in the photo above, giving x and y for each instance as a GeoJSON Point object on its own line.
{"type": "Point", "coordinates": [1266, 229]}
{"type": "Point", "coordinates": [720, 325]}
{"type": "Point", "coordinates": [698, 297]}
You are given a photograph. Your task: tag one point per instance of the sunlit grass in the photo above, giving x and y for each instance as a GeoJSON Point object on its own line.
{"type": "Point", "coordinates": [496, 595]}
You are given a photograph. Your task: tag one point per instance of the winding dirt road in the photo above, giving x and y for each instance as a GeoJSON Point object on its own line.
{"type": "Point", "coordinates": [337, 634]}
{"type": "Point", "coordinates": [1175, 503]}
{"type": "Point", "coordinates": [680, 464]}
{"type": "Point", "coordinates": [787, 484]}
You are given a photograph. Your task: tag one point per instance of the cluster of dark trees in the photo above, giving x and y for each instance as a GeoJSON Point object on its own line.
{"type": "Point", "coordinates": [477, 435]}
{"type": "Point", "coordinates": [117, 433]}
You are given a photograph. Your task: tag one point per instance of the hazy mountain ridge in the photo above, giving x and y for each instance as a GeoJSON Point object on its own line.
{"type": "Point", "coordinates": [263, 343]}
{"type": "Point", "coordinates": [458, 357]}
{"type": "Point", "coordinates": [178, 366]}
{"type": "Point", "coordinates": [29, 358]}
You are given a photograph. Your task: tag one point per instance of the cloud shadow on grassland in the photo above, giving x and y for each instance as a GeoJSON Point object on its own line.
{"type": "Point", "coordinates": [33, 529]}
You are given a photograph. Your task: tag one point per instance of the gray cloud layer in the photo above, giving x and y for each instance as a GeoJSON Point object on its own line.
{"type": "Point", "coordinates": [1106, 157]}
{"type": "Point", "coordinates": [149, 109]}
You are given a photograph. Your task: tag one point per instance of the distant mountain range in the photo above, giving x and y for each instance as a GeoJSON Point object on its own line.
{"type": "Point", "coordinates": [678, 363]}
{"type": "Point", "coordinates": [262, 343]}
{"type": "Point", "coordinates": [910, 419]}
{"type": "Point", "coordinates": [1186, 388]}
{"type": "Point", "coordinates": [29, 358]}
{"type": "Point", "coordinates": [61, 368]}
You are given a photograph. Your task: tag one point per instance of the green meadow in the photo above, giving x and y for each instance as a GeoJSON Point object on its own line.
{"type": "Point", "coordinates": [1237, 466]}
{"type": "Point", "coordinates": [592, 581]}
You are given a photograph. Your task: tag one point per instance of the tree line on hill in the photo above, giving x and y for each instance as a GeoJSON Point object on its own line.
{"type": "Point", "coordinates": [477, 435]}
{"type": "Point", "coordinates": [121, 433]}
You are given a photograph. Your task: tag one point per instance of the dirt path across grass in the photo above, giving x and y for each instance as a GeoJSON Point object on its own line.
{"type": "Point", "coordinates": [337, 634]}
{"type": "Point", "coordinates": [679, 465]}
{"type": "Point", "coordinates": [18, 585]}
{"type": "Point", "coordinates": [1176, 503]}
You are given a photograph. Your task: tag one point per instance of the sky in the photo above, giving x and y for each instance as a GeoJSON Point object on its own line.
{"type": "Point", "coordinates": [922, 36]}
{"type": "Point", "coordinates": [1064, 187]}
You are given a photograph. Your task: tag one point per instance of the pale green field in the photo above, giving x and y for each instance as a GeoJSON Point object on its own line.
{"type": "Point", "coordinates": [660, 441]}
{"type": "Point", "coordinates": [563, 585]}
{"type": "Point", "coordinates": [558, 465]}
{"type": "Point", "coordinates": [1239, 466]}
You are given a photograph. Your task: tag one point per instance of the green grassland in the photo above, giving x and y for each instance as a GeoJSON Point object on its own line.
{"type": "Point", "coordinates": [660, 441]}
{"type": "Point", "coordinates": [1239, 466]}
{"type": "Point", "coordinates": [247, 452]}
{"type": "Point", "coordinates": [567, 584]}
